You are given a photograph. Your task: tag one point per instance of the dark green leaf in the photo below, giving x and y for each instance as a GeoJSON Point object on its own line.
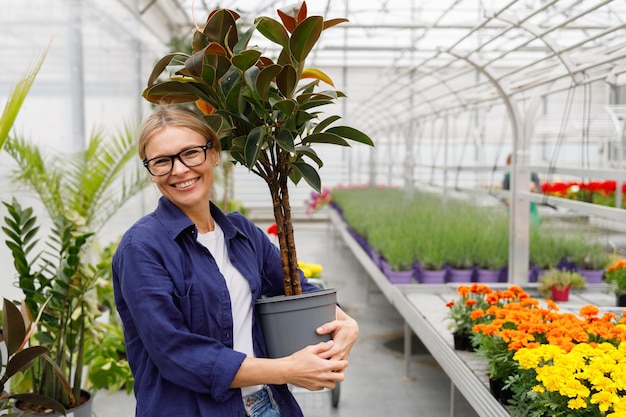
{"type": "Point", "coordinates": [162, 64]}
{"type": "Point", "coordinates": [193, 65]}
{"type": "Point", "coordinates": [273, 31]}
{"type": "Point", "coordinates": [243, 41]}
{"type": "Point", "coordinates": [253, 145]}
{"type": "Point", "coordinates": [233, 100]}
{"type": "Point", "coordinates": [305, 97]}
{"type": "Point", "coordinates": [221, 28]}
{"type": "Point", "coordinates": [309, 152]}
{"type": "Point", "coordinates": [325, 137]}
{"type": "Point", "coordinates": [231, 78]}
{"type": "Point", "coordinates": [305, 36]}
{"type": "Point", "coordinates": [265, 78]}
{"type": "Point", "coordinates": [286, 140]}
{"type": "Point", "coordinates": [310, 175]}
{"type": "Point", "coordinates": [171, 92]}
{"type": "Point", "coordinates": [199, 41]}
{"type": "Point", "coordinates": [325, 123]}
{"type": "Point", "coordinates": [23, 359]}
{"type": "Point", "coordinates": [351, 133]}
{"type": "Point", "coordinates": [286, 106]}
{"type": "Point", "coordinates": [13, 327]}
{"type": "Point", "coordinates": [251, 76]}
{"type": "Point", "coordinates": [208, 74]}
{"type": "Point", "coordinates": [246, 59]}
{"type": "Point", "coordinates": [216, 122]}
{"type": "Point", "coordinates": [303, 117]}
{"type": "Point", "coordinates": [314, 103]}
{"type": "Point", "coordinates": [287, 81]}
{"type": "Point", "coordinates": [294, 175]}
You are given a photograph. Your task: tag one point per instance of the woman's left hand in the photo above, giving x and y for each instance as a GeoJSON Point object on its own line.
{"type": "Point", "coordinates": [345, 331]}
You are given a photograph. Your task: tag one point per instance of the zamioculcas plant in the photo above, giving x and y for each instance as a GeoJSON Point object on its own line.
{"type": "Point", "coordinates": [266, 118]}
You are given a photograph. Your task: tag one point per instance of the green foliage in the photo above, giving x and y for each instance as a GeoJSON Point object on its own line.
{"type": "Point", "coordinates": [585, 254]}
{"type": "Point", "coordinates": [267, 120]}
{"type": "Point", "coordinates": [419, 227]}
{"type": "Point", "coordinates": [495, 350]}
{"type": "Point", "coordinates": [460, 234]}
{"type": "Point", "coordinates": [80, 192]}
{"type": "Point", "coordinates": [106, 356]}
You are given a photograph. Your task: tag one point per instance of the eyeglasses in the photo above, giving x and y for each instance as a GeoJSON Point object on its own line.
{"type": "Point", "coordinates": [190, 157]}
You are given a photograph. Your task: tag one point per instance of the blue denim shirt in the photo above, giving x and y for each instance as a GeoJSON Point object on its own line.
{"type": "Point", "coordinates": [176, 313]}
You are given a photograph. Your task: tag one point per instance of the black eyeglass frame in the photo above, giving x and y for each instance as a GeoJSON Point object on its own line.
{"type": "Point", "coordinates": [146, 162]}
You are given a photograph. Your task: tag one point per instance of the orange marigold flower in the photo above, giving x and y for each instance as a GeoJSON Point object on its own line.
{"type": "Point", "coordinates": [609, 316]}
{"type": "Point", "coordinates": [481, 289]}
{"type": "Point", "coordinates": [470, 302]}
{"type": "Point", "coordinates": [492, 299]}
{"type": "Point", "coordinates": [552, 305]}
{"type": "Point", "coordinates": [450, 304]}
{"type": "Point", "coordinates": [589, 311]}
{"type": "Point", "coordinates": [507, 294]}
{"type": "Point", "coordinates": [476, 314]}
{"type": "Point", "coordinates": [463, 290]}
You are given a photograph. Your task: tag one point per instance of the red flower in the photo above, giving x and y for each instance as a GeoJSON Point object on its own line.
{"type": "Point", "coordinates": [272, 230]}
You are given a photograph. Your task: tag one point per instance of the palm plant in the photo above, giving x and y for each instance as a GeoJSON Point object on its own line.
{"type": "Point", "coordinates": [265, 119]}
{"type": "Point", "coordinates": [88, 186]}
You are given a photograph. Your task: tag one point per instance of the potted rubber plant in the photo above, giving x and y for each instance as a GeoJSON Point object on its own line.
{"type": "Point", "coordinates": [15, 333]}
{"type": "Point", "coordinates": [266, 111]}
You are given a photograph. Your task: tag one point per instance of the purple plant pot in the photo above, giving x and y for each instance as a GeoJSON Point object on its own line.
{"type": "Point", "coordinates": [593, 276]}
{"type": "Point", "coordinates": [460, 275]}
{"type": "Point", "coordinates": [488, 275]}
{"type": "Point", "coordinates": [432, 276]}
{"type": "Point", "coordinates": [400, 277]}
{"type": "Point", "coordinates": [533, 273]}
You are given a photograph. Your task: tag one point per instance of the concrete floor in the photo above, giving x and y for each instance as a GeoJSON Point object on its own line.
{"type": "Point", "coordinates": [376, 382]}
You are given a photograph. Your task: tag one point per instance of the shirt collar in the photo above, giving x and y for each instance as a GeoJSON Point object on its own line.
{"type": "Point", "coordinates": [176, 222]}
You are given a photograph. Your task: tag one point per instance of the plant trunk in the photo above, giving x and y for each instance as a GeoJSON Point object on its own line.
{"type": "Point", "coordinates": [284, 228]}
{"type": "Point", "coordinates": [78, 371]}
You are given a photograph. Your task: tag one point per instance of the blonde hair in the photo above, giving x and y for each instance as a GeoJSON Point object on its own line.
{"type": "Point", "coordinates": [176, 116]}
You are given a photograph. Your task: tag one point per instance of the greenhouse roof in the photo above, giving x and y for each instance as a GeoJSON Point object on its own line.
{"type": "Point", "coordinates": [423, 51]}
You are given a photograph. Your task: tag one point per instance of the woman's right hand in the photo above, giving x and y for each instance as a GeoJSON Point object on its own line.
{"type": "Point", "coordinates": [308, 370]}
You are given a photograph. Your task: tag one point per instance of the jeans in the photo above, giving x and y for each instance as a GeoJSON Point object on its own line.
{"type": "Point", "coordinates": [261, 404]}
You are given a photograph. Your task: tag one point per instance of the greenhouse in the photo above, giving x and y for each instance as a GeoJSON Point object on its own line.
{"type": "Point", "coordinates": [444, 169]}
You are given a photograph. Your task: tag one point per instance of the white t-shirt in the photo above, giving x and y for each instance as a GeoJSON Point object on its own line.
{"type": "Point", "coordinates": [240, 296]}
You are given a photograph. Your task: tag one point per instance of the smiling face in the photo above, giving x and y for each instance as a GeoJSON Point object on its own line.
{"type": "Point", "coordinates": [186, 187]}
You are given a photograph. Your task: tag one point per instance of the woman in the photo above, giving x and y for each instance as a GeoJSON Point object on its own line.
{"type": "Point", "coordinates": [186, 278]}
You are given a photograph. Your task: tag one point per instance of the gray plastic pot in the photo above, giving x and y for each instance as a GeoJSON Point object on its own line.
{"type": "Point", "coordinates": [289, 323]}
{"type": "Point", "coordinates": [83, 410]}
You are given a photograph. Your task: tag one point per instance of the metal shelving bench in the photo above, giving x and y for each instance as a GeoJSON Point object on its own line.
{"type": "Point", "coordinates": [423, 308]}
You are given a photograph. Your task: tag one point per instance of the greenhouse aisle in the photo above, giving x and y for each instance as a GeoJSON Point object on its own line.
{"type": "Point", "coordinates": [376, 384]}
